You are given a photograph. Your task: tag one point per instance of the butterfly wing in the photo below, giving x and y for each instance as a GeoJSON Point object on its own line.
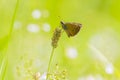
{"type": "Point", "coordinates": [72, 28]}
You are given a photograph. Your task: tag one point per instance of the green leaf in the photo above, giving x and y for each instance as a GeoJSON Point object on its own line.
{"type": "Point", "coordinates": [3, 42]}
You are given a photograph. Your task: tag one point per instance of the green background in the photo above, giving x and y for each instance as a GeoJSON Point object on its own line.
{"type": "Point", "coordinates": [93, 54]}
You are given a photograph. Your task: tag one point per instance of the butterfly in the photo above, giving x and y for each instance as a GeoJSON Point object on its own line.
{"type": "Point", "coordinates": [71, 28]}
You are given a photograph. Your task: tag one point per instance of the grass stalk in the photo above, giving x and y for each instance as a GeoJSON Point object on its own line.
{"type": "Point", "coordinates": [51, 56]}
{"type": "Point", "coordinates": [5, 59]}
{"type": "Point", "coordinates": [13, 19]}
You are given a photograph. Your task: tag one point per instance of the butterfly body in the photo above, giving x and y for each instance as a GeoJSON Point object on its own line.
{"type": "Point", "coordinates": [71, 28]}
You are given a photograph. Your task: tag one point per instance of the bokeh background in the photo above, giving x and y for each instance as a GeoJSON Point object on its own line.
{"type": "Point", "coordinates": [25, 45]}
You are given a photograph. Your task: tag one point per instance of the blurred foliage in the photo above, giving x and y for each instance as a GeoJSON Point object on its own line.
{"type": "Point", "coordinates": [27, 49]}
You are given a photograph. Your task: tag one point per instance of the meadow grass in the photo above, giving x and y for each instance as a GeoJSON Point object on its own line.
{"type": "Point", "coordinates": [4, 58]}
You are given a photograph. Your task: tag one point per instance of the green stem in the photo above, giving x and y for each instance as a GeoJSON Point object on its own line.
{"type": "Point", "coordinates": [9, 36]}
{"type": "Point", "coordinates": [51, 56]}
{"type": "Point", "coordinates": [5, 63]}
{"type": "Point", "coordinates": [13, 19]}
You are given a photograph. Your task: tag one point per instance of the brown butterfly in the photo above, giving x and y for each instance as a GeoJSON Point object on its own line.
{"type": "Point", "coordinates": [71, 28]}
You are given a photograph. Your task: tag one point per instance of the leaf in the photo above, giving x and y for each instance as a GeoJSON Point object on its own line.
{"type": "Point", "coordinates": [3, 42]}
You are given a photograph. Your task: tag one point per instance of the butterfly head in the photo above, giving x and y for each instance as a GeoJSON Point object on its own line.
{"type": "Point", "coordinates": [63, 25]}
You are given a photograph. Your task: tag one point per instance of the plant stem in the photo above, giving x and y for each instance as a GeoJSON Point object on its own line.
{"type": "Point", "coordinates": [5, 59]}
{"type": "Point", "coordinates": [51, 56]}
{"type": "Point", "coordinates": [13, 18]}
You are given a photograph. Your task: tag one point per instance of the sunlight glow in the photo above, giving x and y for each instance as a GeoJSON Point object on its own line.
{"type": "Point", "coordinates": [33, 28]}
{"type": "Point", "coordinates": [107, 42]}
{"type": "Point", "coordinates": [17, 25]}
{"type": "Point", "coordinates": [36, 14]}
{"type": "Point", "coordinates": [98, 54]}
{"type": "Point", "coordinates": [43, 76]}
{"type": "Point", "coordinates": [109, 69]}
{"type": "Point", "coordinates": [71, 53]}
{"type": "Point", "coordinates": [46, 27]}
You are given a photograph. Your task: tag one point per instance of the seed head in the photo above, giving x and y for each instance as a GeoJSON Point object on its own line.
{"type": "Point", "coordinates": [56, 36]}
{"type": "Point", "coordinates": [36, 76]}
